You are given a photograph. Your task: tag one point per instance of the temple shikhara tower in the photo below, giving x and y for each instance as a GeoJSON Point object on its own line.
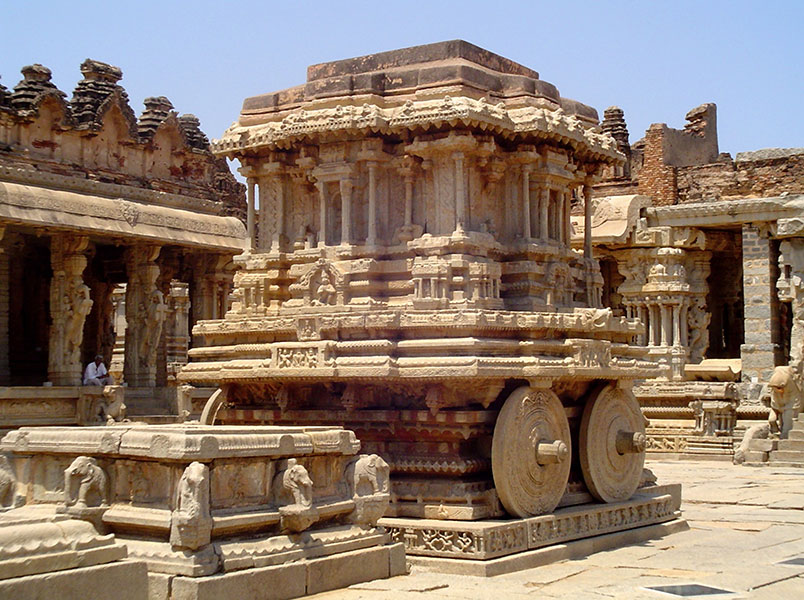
{"type": "Point", "coordinates": [410, 276]}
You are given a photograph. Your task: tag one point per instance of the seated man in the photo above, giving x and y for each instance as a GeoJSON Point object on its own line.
{"type": "Point", "coordinates": [96, 373]}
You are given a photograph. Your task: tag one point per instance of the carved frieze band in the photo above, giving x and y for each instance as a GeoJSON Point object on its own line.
{"type": "Point", "coordinates": [528, 534]}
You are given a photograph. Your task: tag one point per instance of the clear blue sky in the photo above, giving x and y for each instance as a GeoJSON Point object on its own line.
{"type": "Point", "coordinates": [656, 60]}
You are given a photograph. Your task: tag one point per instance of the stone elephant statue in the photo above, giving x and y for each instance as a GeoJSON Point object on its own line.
{"type": "Point", "coordinates": [90, 477]}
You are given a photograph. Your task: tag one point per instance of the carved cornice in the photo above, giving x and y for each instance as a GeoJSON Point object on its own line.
{"type": "Point", "coordinates": [723, 212]}
{"type": "Point", "coordinates": [116, 217]}
{"type": "Point", "coordinates": [289, 127]}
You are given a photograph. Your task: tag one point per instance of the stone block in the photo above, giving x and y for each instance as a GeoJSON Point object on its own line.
{"type": "Point", "coordinates": [125, 580]}
{"type": "Point", "coordinates": [267, 583]}
{"type": "Point", "coordinates": [762, 445]}
{"type": "Point", "coordinates": [398, 560]}
{"type": "Point", "coordinates": [345, 569]}
{"type": "Point", "coordinates": [159, 585]}
{"type": "Point", "coordinates": [757, 310]}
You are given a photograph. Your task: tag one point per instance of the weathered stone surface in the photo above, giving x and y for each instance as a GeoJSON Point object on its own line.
{"type": "Point", "coordinates": [196, 500]}
{"type": "Point", "coordinates": [126, 580]}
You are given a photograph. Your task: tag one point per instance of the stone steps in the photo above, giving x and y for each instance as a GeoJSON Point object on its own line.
{"type": "Point", "coordinates": [787, 456]}
{"type": "Point", "coordinates": [790, 452]}
{"type": "Point", "coordinates": [791, 445]}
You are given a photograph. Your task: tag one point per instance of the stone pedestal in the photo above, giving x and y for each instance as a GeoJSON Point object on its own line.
{"type": "Point", "coordinates": [216, 508]}
{"type": "Point", "coordinates": [46, 555]}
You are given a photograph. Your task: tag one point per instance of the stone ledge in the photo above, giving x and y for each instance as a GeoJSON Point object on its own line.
{"type": "Point", "coordinates": [483, 541]}
{"type": "Point", "coordinates": [551, 554]}
{"type": "Point", "coordinates": [280, 582]}
{"type": "Point", "coordinates": [125, 580]}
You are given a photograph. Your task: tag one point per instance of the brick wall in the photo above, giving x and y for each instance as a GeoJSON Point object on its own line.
{"type": "Point", "coordinates": [656, 179]}
{"type": "Point", "coordinates": [754, 174]}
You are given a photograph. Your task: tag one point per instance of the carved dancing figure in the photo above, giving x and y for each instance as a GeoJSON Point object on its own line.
{"type": "Point", "coordinates": [698, 323]}
{"type": "Point", "coordinates": [80, 306]}
{"type": "Point", "coordinates": [156, 310]}
{"type": "Point", "coordinates": [325, 293]}
{"type": "Point", "coordinates": [90, 476]}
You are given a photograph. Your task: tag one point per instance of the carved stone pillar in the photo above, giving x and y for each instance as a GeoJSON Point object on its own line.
{"type": "Point", "coordinates": [70, 303]}
{"type": "Point", "coordinates": [100, 326]}
{"type": "Point", "coordinates": [544, 212]}
{"type": "Point", "coordinates": [177, 334]}
{"type": "Point", "coordinates": [210, 289]}
{"type": "Point", "coordinates": [272, 207]}
{"type": "Point", "coordinates": [323, 199]}
{"type": "Point", "coordinates": [250, 215]}
{"type": "Point", "coordinates": [371, 238]}
{"type": "Point", "coordinates": [5, 372]}
{"type": "Point", "coordinates": [346, 210]}
{"type": "Point", "coordinates": [666, 329]}
{"type": "Point", "coordinates": [676, 325]}
{"type": "Point", "coordinates": [683, 324]}
{"type": "Point", "coordinates": [409, 179]}
{"type": "Point", "coordinates": [643, 315]}
{"type": "Point", "coordinates": [526, 231]}
{"type": "Point", "coordinates": [655, 325]}
{"type": "Point", "coordinates": [145, 315]}
{"type": "Point", "coordinates": [587, 221]}
{"type": "Point", "coordinates": [567, 221]}
{"type": "Point", "coordinates": [460, 192]}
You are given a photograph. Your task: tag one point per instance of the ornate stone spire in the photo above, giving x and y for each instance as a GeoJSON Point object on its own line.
{"type": "Point", "coordinates": [29, 92]}
{"type": "Point", "coordinates": [157, 109]}
{"type": "Point", "coordinates": [191, 127]}
{"type": "Point", "coordinates": [4, 96]}
{"type": "Point", "coordinates": [614, 124]}
{"type": "Point", "coordinates": [97, 87]}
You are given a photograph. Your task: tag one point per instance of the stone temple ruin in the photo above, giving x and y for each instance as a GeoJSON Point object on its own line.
{"type": "Point", "coordinates": [448, 267]}
{"type": "Point", "coordinates": [410, 277]}
{"type": "Point", "coordinates": [705, 250]}
{"type": "Point", "coordinates": [116, 236]}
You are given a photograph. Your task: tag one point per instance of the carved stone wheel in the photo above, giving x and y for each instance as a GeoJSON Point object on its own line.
{"type": "Point", "coordinates": [611, 444]}
{"type": "Point", "coordinates": [530, 452]}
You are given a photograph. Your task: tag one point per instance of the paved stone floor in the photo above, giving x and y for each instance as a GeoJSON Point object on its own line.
{"type": "Point", "coordinates": [744, 523]}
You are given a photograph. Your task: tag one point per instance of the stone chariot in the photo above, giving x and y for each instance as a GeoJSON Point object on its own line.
{"type": "Point", "coordinates": [410, 277]}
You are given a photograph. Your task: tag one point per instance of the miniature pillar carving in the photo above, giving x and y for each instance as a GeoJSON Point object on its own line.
{"type": "Point", "coordinates": [567, 221]}
{"type": "Point", "coordinates": [346, 211]}
{"type": "Point", "coordinates": [323, 197]}
{"type": "Point", "coordinates": [70, 303]}
{"type": "Point", "coordinates": [587, 221]}
{"type": "Point", "coordinates": [251, 213]}
{"type": "Point", "coordinates": [371, 238]}
{"type": "Point", "coordinates": [544, 211]}
{"type": "Point", "coordinates": [272, 210]}
{"type": "Point", "coordinates": [145, 315]}
{"type": "Point", "coordinates": [4, 312]}
{"type": "Point", "coordinates": [526, 232]}
{"type": "Point", "coordinates": [676, 325]}
{"type": "Point", "coordinates": [667, 332]}
{"type": "Point", "coordinates": [409, 199]}
{"type": "Point", "coordinates": [460, 192]}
